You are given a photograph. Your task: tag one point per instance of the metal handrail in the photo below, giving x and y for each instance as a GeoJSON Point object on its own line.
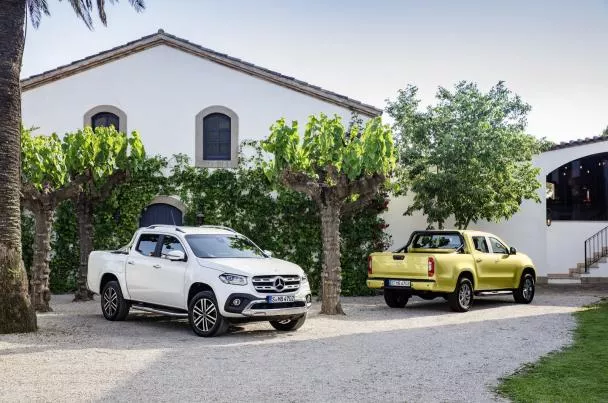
{"type": "Point", "coordinates": [596, 247]}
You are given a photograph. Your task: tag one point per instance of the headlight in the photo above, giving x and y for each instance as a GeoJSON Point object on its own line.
{"type": "Point", "coordinates": [304, 279]}
{"type": "Point", "coordinates": [233, 279]}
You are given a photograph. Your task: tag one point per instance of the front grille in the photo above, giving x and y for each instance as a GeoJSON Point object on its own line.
{"type": "Point", "coordinates": [265, 305]}
{"type": "Point", "coordinates": [276, 284]}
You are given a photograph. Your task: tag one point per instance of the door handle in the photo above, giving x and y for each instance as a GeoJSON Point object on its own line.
{"type": "Point", "coordinates": [130, 262]}
{"type": "Point", "coordinates": [497, 260]}
{"type": "Point", "coordinates": [156, 266]}
{"type": "Point", "coordinates": [478, 260]}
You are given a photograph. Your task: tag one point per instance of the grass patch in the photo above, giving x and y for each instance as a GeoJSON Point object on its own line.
{"type": "Point", "coordinates": [577, 374]}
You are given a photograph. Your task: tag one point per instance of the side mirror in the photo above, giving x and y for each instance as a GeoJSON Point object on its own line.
{"type": "Point", "coordinates": [512, 251]}
{"type": "Point", "coordinates": [176, 255]}
{"type": "Point", "coordinates": [267, 253]}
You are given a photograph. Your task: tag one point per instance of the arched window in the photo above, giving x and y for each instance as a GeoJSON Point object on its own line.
{"type": "Point", "coordinates": [217, 138]}
{"type": "Point", "coordinates": [578, 190]}
{"type": "Point", "coordinates": [105, 119]}
{"type": "Point", "coordinates": [106, 116]}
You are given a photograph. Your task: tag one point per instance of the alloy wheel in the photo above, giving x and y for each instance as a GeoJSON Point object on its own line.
{"type": "Point", "coordinates": [110, 301]}
{"type": "Point", "coordinates": [204, 314]}
{"type": "Point", "coordinates": [464, 295]}
{"type": "Point", "coordinates": [528, 289]}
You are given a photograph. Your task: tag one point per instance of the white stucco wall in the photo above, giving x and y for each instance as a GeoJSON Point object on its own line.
{"type": "Point", "coordinates": [161, 90]}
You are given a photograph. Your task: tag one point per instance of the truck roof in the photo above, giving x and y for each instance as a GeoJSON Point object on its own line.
{"type": "Point", "coordinates": [203, 229]}
{"type": "Point", "coordinates": [461, 231]}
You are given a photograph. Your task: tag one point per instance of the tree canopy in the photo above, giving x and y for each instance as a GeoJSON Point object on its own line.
{"type": "Point", "coordinates": [468, 156]}
{"type": "Point", "coordinates": [340, 169]}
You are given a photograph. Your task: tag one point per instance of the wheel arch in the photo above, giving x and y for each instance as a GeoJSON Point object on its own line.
{"type": "Point", "coordinates": [195, 288]}
{"type": "Point", "coordinates": [105, 279]}
{"type": "Point", "coordinates": [467, 273]}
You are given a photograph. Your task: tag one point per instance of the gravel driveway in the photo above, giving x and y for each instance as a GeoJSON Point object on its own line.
{"type": "Point", "coordinates": [421, 353]}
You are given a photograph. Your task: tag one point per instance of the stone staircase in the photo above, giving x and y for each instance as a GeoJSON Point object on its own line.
{"type": "Point", "coordinates": [598, 272]}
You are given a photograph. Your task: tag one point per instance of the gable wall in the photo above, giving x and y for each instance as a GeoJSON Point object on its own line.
{"type": "Point", "coordinates": [161, 90]}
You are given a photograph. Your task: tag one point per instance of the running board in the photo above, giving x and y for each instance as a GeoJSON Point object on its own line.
{"type": "Point", "coordinates": [490, 293]}
{"type": "Point", "coordinates": [161, 311]}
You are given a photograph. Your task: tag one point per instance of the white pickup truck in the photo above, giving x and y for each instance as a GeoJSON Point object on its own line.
{"type": "Point", "coordinates": [210, 274]}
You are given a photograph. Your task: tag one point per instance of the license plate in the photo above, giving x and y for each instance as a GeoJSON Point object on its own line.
{"type": "Point", "coordinates": [399, 283]}
{"type": "Point", "coordinates": [275, 299]}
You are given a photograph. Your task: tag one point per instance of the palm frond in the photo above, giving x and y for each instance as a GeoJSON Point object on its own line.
{"type": "Point", "coordinates": [36, 9]}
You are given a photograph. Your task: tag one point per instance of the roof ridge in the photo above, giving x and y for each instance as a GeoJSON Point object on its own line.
{"type": "Point", "coordinates": [161, 37]}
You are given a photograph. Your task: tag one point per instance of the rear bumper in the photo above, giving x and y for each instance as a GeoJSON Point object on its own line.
{"type": "Point", "coordinates": [417, 284]}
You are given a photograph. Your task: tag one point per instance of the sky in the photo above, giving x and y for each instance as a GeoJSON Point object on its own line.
{"type": "Point", "coordinates": [553, 53]}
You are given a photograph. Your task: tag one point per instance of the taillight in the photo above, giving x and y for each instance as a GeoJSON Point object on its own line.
{"type": "Point", "coordinates": [369, 265]}
{"type": "Point", "coordinates": [431, 266]}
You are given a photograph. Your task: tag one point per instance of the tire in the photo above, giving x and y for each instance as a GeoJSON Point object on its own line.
{"type": "Point", "coordinates": [396, 299]}
{"type": "Point", "coordinates": [204, 315]}
{"type": "Point", "coordinates": [524, 294]}
{"type": "Point", "coordinates": [289, 324]}
{"type": "Point", "coordinates": [113, 305]}
{"type": "Point", "coordinates": [462, 298]}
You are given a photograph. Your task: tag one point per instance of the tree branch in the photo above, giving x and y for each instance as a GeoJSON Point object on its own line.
{"type": "Point", "coordinates": [366, 188]}
{"type": "Point", "coordinates": [116, 178]}
{"type": "Point", "coordinates": [361, 186]}
{"type": "Point", "coordinates": [70, 190]}
{"type": "Point", "coordinates": [300, 182]}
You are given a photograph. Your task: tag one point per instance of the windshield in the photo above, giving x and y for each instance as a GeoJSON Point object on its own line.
{"type": "Point", "coordinates": [222, 246]}
{"type": "Point", "coordinates": [437, 241]}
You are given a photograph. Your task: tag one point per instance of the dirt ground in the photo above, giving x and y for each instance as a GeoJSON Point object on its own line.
{"type": "Point", "coordinates": [421, 353]}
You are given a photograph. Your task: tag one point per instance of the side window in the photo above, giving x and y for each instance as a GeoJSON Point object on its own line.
{"type": "Point", "coordinates": [480, 244]}
{"type": "Point", "coordinates": [170, 243]}
{"type": "Point", "coordinates": [498, 247]}
{"type": "Point", "coordinates": [147, 244]}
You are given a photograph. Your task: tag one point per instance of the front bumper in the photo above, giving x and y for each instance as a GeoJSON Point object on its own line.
{"type": "Point", "coordinates": [259, 307]}
{"type": "Point", "coordinates": [248, 305]}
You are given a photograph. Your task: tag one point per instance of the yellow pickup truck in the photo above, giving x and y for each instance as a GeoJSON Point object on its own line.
{"type": "Point", "coordinates": [455, 265]}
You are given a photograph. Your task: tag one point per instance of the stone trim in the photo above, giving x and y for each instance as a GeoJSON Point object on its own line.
{"type": "Point", "coordinates": [171, 201]}
{"type": "Point", "coordinates": [234, 139]}
{"type": "Point", "coordinates": [122, 117]}
{"type": "Point", "coordinates": [162, 38]}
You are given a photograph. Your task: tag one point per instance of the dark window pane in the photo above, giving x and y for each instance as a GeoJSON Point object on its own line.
{"type": "Point", "coordinates": [105, 119]}
{"type": "Point", "coordinates": [578, 190]}
{"type": "Point", "coordinates": [498, 247]}
{"type": "Point", "coordinates": [480, 244]}
{"type": "Point", "coordinates": [147, 244]}
{"type": "Point", "coordinates": [170, 243]}
{"type": "Point", "coordinates": [216, 137]}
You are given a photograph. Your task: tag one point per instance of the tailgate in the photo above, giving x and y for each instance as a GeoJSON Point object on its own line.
{"type": "Point", "coordinates": [399, 265]}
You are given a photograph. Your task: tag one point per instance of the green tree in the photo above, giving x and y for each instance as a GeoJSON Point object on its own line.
{"type": "Point", "coordinates": [340, 170]}
{"type": "Point", "coordinates": [16, 311]}
{"type": "Point", "coordinates": [105, 159]}
{"type": "Point", "coordinates": [44, 184]}
{"type": "Point", "coordinates": [468, 156]}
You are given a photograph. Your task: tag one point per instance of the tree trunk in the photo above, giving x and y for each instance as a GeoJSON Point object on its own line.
{"type": "Point", "coordinates": [331, 278]}
{"type": "Point", "coordinates": [16, 311]}
{"type": "Point", "coordinates": [84, 213]}
{"type": "Point", "coordinates": [39, 284]}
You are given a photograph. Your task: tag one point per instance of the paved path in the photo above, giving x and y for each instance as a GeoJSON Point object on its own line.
{"type": "Point", "coordinates": [422, 353]}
